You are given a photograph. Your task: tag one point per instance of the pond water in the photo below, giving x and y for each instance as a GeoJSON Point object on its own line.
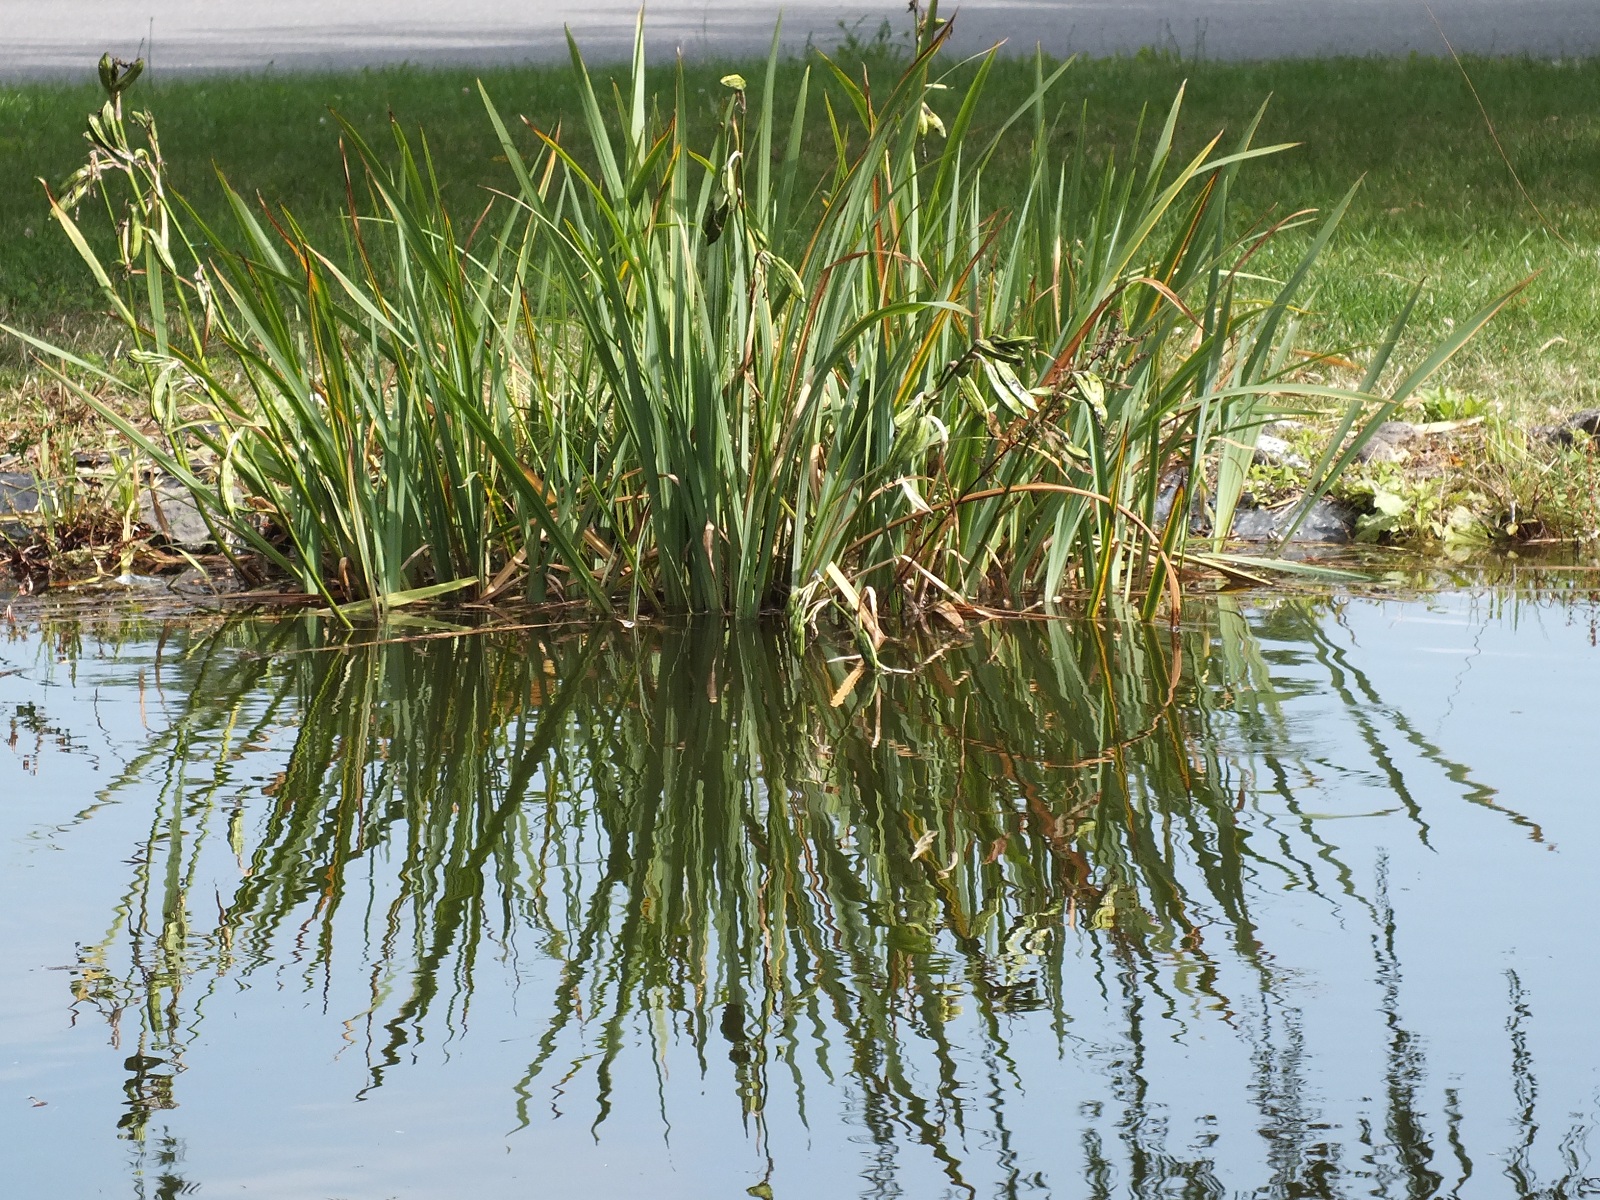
{"type": "Point", "coordinates": [1298, 901]}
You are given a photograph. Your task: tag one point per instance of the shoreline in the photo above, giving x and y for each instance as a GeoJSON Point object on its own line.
{"type": "Point", "coordinates": [1444, 210]}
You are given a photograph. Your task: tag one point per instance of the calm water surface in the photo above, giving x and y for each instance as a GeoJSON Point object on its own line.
{"type": "Point", "coordinates": [1299, 902]}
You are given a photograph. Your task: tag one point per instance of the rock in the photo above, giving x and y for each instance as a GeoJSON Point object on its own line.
{"type": "Point", "coordinates": [19, 493]}
{"type": "Point", "coordinates": [1275, 452]}
{"type": "Point", "coordinates": [1198, 519]}
{"type": "Point", "coordinates": [172, 514]}
{"type": "Point", "coordinates": [141, 583]}
{"type": "Point", "coordinates": [1583, 426]}
{"type": "Point", "coordinates": [165, 506]}
{"type": "Point", "coordinates": [1387, 442]}
{"type": "Point", "coordinates": [1328, 521]}
{"type": "Point", "coordinates": [200, 583]}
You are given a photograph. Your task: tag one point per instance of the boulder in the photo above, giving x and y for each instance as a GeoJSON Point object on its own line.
{"type": "Point", "coordinates": [1329, 521]}
{"type": "Point", "coordinates": [1387, 443]}
{"type": "Point", "coordinates": [19, 493]}
{"type": "Point", "coordinates": [1583, 427]}
{"type": "Point", "coordinates": [165, 506]}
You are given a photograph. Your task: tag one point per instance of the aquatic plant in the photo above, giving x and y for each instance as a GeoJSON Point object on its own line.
{"type": "Point", "coordinates": [663, 372]}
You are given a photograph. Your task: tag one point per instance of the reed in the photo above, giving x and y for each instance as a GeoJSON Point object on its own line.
{"type": "Point", "coordinates": [663, 371]}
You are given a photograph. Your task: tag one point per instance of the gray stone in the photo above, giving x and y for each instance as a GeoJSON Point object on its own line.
{"type": "Point", "coordinates": [19, 492]}
{"type": "Point", "coordinates": [1580, 427]}
{"type": "Point", "coordinates": [165, 506]}
{"type": "Point", "coordinates": [1329, 521]}
{"type": "Point", "coordinates": [1387, 442]}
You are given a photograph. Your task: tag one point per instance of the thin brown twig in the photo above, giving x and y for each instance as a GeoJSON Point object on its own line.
{"type": "Point", "coordinates": [1488, 121]}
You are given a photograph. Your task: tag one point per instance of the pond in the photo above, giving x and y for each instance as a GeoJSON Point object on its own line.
{"type": "Point", "coordinates": [1297, 900]}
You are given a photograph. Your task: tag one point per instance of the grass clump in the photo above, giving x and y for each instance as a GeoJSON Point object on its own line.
{"type": "Point", "coordinates": [671, 369]}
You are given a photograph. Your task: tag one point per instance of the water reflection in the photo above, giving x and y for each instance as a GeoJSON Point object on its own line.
{"type": "Point", "coordinates": [907, 922]}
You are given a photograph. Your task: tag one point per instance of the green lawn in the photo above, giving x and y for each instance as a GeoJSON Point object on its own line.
{"type": "Point", "coordinates": [1438, 201]}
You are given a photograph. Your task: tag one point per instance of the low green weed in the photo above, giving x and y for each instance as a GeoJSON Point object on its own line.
{"type": "Point", "coordinates": [1447, 404]}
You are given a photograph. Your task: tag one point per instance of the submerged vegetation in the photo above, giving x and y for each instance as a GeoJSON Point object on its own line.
{"type": "Point", "coordinates": [664, 369]}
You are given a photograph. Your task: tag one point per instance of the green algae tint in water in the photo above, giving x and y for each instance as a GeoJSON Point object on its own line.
{"type": "Point", "coordinates": [1297, 902]}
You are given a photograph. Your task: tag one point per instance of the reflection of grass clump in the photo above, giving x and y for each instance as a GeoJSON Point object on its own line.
{"type": "Point", "coordinates": [693, 823]}
{"type": "Point", "coordinates": [726, 849]}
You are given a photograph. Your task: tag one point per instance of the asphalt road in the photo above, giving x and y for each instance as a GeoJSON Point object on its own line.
{"type": "Point", "coordinates": [58, 37]}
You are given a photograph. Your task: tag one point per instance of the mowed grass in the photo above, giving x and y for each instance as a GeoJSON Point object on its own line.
{"type": "Point", "coordinates": [1437, 204]}
{"type": "Point", "coordinates": [1438, 201]}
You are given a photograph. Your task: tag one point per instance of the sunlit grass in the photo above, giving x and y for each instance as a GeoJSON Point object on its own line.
{"type": "Point", "coordinates": [1437, 201]}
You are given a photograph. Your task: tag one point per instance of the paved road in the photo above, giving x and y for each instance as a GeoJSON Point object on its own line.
{"type": "Point", "coordinates": [53, 37]}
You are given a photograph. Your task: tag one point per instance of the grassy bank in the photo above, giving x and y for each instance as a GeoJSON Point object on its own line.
{"type": "Point", "coordinates": [1437, 202]}
{"type": "Point", "coordinates": [976, 362]}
